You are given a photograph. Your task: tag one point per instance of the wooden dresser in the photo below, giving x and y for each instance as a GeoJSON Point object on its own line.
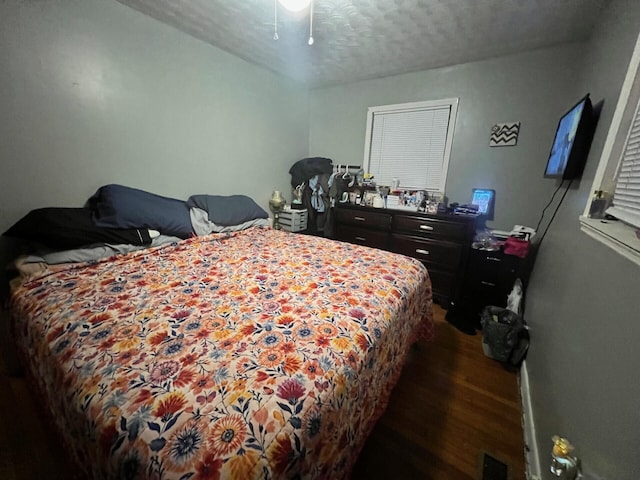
{"type": "Point", "coordinates": [441, 242]}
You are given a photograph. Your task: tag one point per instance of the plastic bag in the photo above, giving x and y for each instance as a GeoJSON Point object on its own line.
{"type": "Point", "coordinates": [505, 336]}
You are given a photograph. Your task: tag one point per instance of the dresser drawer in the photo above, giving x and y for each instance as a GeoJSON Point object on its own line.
{"type": "Point", "coordinates": [363, 236]}
{"type": "Point", "coordinates": [446, 255]}
{"type": "Point", "coordinates": [369, 219]}
{"type": "Point", "coordinates": [430, 226]}
{"type": "Point", "coordinates": [442, 282]}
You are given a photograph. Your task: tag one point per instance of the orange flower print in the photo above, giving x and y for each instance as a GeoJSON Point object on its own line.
{"type": "Point", "coordinates": [285, 320]}
{"type": "Point", "coordinates": [242, 465]}
{"type": "Point", "coordinates": [129, 330]}
{"type": "Point", "coordinates": [271, 358]}
{"type": "Point", "coordinates": [304, 332]}
{"type": "Point", "coordinates": [164, 371]}
{"type": "Point", "coordinates": [338, 299]}
{"type": "Point", "coordinates": [203, 334]}
{"type": "Point", "coordinates": [227, 434]}
{"type": "Point", "coordinates": [143, 397]}
{"type": "Point", "coordinates": [340, 344]}
{"type": "Point", "coordinates": [157, 338]}
{"type": "Point", "coordinates": [127, 343]}
{"type": "Point", "coordinates": [189, 359]}
{"type": "Point", "coordinates": [322, 341]}
{"type": "Point", "coordinates": [362, 342]}
{"type": "Point", "coordinates": [184, 378]}
{"type": "Point", "coordinates": [312, 369]}
{"type": "Point", "coordinates": [352, 359]}
{"type": "Point", "coordinates": [99, 318]}
{"type": "Point", "coordinates": [281, 453]}
{"type": "Point", "coordinates": [288, 347]}
{"type": "Point", "coordinates": [227, 343]}
{"type": "Point", "coordinates": [208, 468]}
{"type": "Point", "coordinates": [202, 382]}
{"type": "Point", "coordinates": [291, 364]}
{"type": "Point", "coordinates": [247, 329]}
{"type": "Point", "coordinates": [169, 405]}
{"type": "Point", "coordinates": [328, 330]}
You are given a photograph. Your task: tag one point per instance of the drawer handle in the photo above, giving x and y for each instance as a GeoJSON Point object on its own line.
{"type": "Point", "coordinates": [489, 284]}
{"type": "Point", "coordinates": [426, 227]}
{"type": "Point", "coordinates": [360, 219]}
{"type": "Point", "coordinates": [494, 259]}
{"type": "Point", "coordinates": [422, 252]}
{"type": "Point", "coordinates": [362, 239]}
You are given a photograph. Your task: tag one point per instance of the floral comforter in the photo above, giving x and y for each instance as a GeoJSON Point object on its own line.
{"type": "Point", "coordinates": [259, 354]}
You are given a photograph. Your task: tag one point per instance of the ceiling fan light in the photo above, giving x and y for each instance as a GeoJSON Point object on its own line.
{"type": "Point", "coordinates": [295, 5]}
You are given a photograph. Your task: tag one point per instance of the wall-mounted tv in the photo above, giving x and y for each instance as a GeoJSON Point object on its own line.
{"type": "Point", "coordinates": [571, 142]}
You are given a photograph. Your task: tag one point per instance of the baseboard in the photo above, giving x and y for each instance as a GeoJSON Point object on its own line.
{"type": "Point", "coordinates": [532, 455]}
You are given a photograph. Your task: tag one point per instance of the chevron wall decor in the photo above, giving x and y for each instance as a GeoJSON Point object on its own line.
{"type": "Point", "coordinates": [504, 134]}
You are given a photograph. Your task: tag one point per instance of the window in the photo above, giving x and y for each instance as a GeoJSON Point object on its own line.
{"type": "Point", "coordinates": [619, 171]}
{"type": "Point", "coordinates": [410, 142]}
{"type": "Point", "coordinates": [626, 196]}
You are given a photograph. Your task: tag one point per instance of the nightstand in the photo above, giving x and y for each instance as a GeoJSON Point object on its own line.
{"type": "Point", "coordinates": [491, 275]}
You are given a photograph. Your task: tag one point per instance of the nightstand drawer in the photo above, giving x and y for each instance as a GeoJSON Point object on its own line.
{"type": "Point", "coordinates": [363, 236]}
{"type": "Point", "coordinates": [444, 254]}
{"type": "Point", "coordinates": [492, 267]}
{"type": "Point", "coordinates": [430, 226]}
{"type": "Point", "coordinates": [364, 218]}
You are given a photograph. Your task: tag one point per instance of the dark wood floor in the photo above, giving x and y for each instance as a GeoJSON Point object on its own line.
{"type": "Point", "coordinates": [451, 405]}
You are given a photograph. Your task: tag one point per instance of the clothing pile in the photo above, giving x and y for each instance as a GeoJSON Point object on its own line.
{"type": "Point", "coordinates": [321, 188]}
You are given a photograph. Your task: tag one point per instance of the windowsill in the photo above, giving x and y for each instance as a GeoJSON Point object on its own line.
{"type": "Point", "coordinates": [614, 234]}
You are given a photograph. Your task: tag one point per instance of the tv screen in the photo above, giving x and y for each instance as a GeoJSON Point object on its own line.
{"type": "Point", "coordinates": [571, 142]}
{"type": "Point", "coordinates": [484, 198]}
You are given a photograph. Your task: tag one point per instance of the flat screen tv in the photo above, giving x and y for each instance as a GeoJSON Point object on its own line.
{"type": "Point", "coordinates": [571, 142]}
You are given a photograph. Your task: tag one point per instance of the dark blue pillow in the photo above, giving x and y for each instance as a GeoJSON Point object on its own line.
{"type": "Point", "coordinates": [228, 210]}
{"type": "Point", "coordinates": [116, 206]}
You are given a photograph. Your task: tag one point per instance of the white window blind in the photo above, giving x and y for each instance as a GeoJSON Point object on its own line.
{"type": "Point", "coordinates": [411, 143]}
{"type": "Point", "coordinates": [626, 197]}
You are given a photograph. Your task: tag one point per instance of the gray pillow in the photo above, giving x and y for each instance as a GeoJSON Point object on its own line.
{"type": "Point", "coordinates": [228, 210]}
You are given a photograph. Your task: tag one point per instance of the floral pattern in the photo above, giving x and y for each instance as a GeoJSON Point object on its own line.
{"type": "Point", "coordinates": [256, 354]}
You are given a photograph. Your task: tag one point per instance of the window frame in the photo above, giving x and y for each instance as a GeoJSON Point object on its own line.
{"type": "Point", "coordinates": [617, 235]}
{"type": "Point", "coordinates": [452, 103]}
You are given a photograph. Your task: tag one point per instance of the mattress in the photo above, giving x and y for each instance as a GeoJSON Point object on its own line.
{"type": "Point", "coordinates": [255, 354]}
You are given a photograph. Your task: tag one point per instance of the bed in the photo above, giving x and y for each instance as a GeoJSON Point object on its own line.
{"type": "Point", "coordinates": [248, 354]}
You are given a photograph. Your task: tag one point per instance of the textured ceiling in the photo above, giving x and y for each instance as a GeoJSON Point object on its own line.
{"type": "Point", "coordinates": [360, 39]}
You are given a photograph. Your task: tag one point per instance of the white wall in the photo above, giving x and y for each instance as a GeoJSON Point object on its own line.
{"type": "Point", "coordinates": [535, 88]}
{"type": "Point", "coordinates": [93, 92]}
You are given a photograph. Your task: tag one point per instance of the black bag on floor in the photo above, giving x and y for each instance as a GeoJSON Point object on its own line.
{"type": "Point", "coordinates": [504, 335]}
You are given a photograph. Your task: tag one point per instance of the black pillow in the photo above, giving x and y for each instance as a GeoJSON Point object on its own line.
{"type": "Point", "coordinates": [65, 228]}
{"type": "Point", "coordinates": [117, 206]}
